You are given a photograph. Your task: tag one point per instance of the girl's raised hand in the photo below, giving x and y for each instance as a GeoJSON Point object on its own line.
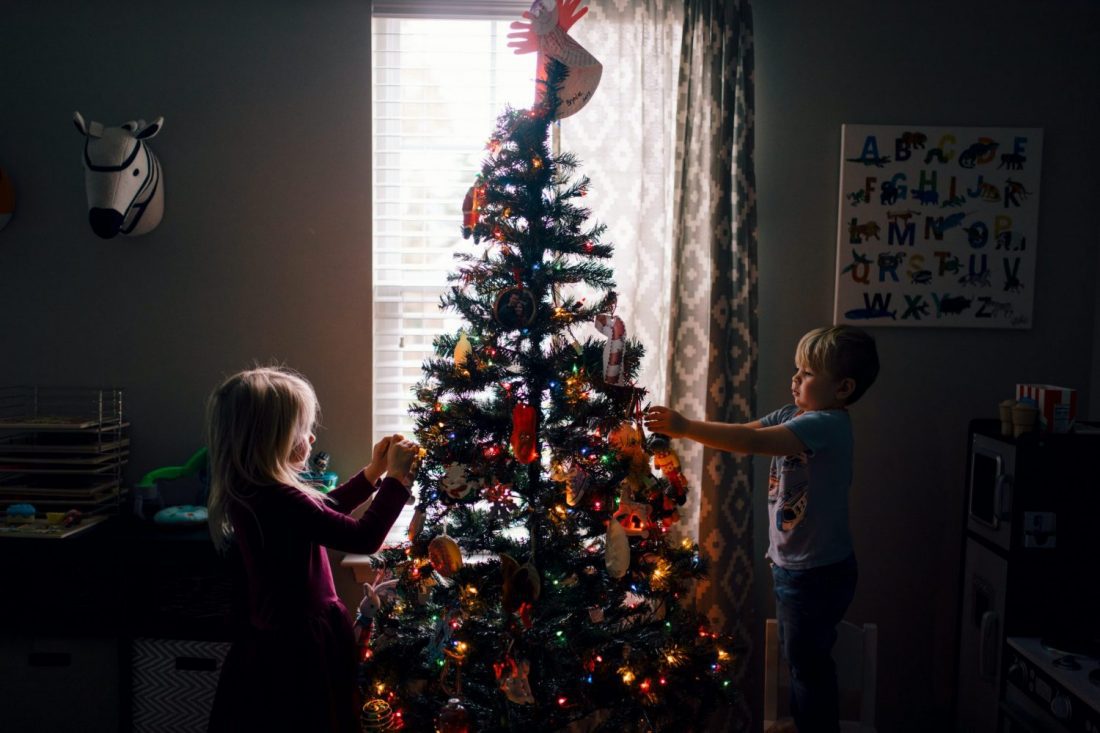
{"type": "Point", "coordinates": [660, 419]}
{"type": "Point", "coordinates": [377, 464]}
{"type": "Point", "coordinates": [400, 457]}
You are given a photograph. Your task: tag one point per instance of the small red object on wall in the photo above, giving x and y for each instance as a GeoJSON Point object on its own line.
{"type": "Point", "coordinates": [524, 437]}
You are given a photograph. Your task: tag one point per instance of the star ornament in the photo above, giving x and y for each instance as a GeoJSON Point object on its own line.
{"type": "Point", "coordinates": [545, 32]}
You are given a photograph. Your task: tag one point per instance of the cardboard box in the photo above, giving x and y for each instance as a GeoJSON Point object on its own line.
{"type": "Point", "coordinates": [1057, 405]}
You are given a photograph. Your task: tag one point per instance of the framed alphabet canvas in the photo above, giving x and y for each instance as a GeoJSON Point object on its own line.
{"type": "Point", "coordinates": [937, 226]}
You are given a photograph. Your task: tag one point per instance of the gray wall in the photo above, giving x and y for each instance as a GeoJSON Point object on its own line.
{"type": "Point", "coordinates": [1012, 63]}
{"type": "Point", "coordinates": [264, 251]}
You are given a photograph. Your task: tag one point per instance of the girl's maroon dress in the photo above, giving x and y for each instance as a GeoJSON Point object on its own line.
{"type": "Point", "coordinates": [292, 665]}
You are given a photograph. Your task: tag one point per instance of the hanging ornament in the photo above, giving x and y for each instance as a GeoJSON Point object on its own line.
{"type": "Point", "coordinates": [416, 526]}
{"type": "Point", "coordinates": [546, 33]}
{"type": "Point", "coordinates": [615, 330]}
{"type": "Point", "coordinates": [453, 718]}
{"type": "Point", "coordinates": [454, 658]}
{"type": "Point", "coordinates": [368, 609]}
{"type": "Point", "coordinates": [616, 550]}
{"type": "Point", "coordinates": [462, 354]}
{"type": "Point", "coordinates": [576, 480]}
{"type": "Point", "coordinates": [524, 433]}
{"type": "Point", "coordinates": [634, 517]}
{"type": "Point", "coordinates": [668, 463]}
{"type": "Point", "coordinates": [375, 716]}
{"type": "Point", "coordinates": [515, 308]}
{"type": "Point", "coordinates": [457, 481]}
{"type": "Point", "coordinates": [629, 445]}
{"type": "Point", "coordinates": [521, 587]}
{"type": "Point", "coordinates": [512, 678]}
{"type": "Point", "coordinates": [471, 207]}
{"type": "Point", "coordinates": [445, 555]}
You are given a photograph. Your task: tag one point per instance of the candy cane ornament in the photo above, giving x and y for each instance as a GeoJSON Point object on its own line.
{"type": "Point", "coordinates": [615, 330]}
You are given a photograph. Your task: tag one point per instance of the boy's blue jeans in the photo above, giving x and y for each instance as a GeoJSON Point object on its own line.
{"type": "Point", "coordinates": [808, 606]}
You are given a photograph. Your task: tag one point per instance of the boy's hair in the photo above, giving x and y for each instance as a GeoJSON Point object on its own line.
{"type": "Point", "coordinates": [842, 352]}
{"type": "Point", "coordinates": [254, 420]}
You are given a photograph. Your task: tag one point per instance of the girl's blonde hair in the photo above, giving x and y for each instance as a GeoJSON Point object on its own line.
{"type": "Point", "coordinates": [255, 420]}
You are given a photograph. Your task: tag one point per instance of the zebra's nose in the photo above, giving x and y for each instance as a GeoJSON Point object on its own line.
{"type": "Point", "coordinates": [105, 222]}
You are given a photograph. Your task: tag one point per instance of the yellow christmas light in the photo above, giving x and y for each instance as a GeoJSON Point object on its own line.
{"type": "Point", "coordinates": [627, 675]}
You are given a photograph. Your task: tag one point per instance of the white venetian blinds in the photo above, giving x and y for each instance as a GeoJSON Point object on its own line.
{"type": "Point", "coordinates": [439, 82]}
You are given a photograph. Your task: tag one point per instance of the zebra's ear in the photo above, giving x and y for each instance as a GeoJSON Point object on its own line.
{"type": "Point", "coordinates": [87, 129]}
{"type": "Point", "coordinates": [150, 130]}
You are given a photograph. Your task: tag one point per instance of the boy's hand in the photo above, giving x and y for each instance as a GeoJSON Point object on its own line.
{"type": "Point", "coordinates": [400, 457]}
{"type": "Point", "coordinates": [660, 419]}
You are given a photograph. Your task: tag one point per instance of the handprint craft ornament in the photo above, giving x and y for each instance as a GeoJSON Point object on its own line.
{"type": "Point", "coordinates": [546, 33]}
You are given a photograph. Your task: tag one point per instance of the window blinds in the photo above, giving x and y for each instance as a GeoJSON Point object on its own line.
{"type": "Point", "coordinates": [438, 85]}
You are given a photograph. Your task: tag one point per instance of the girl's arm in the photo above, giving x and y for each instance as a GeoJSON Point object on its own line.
{"type": "Point", "coordinates": [752, 438]}
{"type": "Point", "coordinates": [321, 523]}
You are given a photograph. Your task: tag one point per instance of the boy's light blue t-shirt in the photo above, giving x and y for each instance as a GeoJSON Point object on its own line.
{"type": "Point", "coordinates": [808, 492]}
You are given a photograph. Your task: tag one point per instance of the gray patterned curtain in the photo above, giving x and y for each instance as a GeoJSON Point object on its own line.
{"type": "Point", "coordinates": [668, 142]}
{"type": "Point", "coordinates": [625, 140]}
{"type": "Point", "coordinates": [714, 298]}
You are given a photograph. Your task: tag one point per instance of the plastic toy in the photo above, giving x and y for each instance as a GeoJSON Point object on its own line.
{"type": "Point", "coordinates": [21, 513]}
{"type": "Point", "coordinates": [147, 494]}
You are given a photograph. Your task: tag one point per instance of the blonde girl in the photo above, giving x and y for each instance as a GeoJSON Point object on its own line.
{"type": "Point", "coordinates": [292, 663]}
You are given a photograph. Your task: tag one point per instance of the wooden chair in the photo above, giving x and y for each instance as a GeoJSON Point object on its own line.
{"type": "Point", "coordinates": [856, 657]}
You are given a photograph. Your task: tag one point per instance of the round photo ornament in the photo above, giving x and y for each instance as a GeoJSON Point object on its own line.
{"type": "Point", "coordinates": [515, 307]}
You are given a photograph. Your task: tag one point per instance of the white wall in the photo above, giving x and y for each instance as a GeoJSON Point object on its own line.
{"type": "Point", "coordinates": [1012, 63]}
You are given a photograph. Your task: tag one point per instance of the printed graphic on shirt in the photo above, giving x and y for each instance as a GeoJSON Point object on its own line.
{"type": "Point", "coordinates": [790, 491]}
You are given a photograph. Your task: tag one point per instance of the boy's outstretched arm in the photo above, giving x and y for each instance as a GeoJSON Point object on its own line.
{"type": "Point", "coordinates": [745, 438]}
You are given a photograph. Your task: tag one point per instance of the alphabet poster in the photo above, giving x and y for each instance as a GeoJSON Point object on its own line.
{"type": "Point", "coordinates": [937, 226]}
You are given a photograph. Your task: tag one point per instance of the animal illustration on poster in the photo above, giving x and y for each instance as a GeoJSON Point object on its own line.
{"type": "Point", "coordinates": [937, 226]}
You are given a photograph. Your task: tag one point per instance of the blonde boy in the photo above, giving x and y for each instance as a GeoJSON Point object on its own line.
{"type": "Point", "coordinates": [810, 544]}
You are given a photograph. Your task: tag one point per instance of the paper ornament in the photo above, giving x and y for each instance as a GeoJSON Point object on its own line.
{"type": "Point", "coordinates": [7, 198]}
{"type": "Point", "coordinates": [445, 555]}
{"type": "Point", "coordinates": [462, 353]}
{"type": "Point", "coordinates": [634, 517]}
{"type": "Point", "coordinates": [615, 330]}
{"type": "Point", "coordinates": [576, 480]}
{"type": "Point", "coordinates": [524, 433]}
{"type": "Point", "coordinates": [122, 177]}
{"type": "Point", "coordinates": [549, 20]}
{"type": "Point", "coordinates": [456, 481]}
{"type": "Point", "coordinates": [616, 550]}
{"type": "Point", "coordinates": [520, 589]}
{"type": "Point", "coordinates": [512, 678]}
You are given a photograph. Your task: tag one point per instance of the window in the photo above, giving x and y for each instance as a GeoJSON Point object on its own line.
{"type": "Point", "coordinates": [438, 86]}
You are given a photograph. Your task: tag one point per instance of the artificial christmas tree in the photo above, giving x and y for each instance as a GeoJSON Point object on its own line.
{"type": "Point", "coordinates": [540, 589]}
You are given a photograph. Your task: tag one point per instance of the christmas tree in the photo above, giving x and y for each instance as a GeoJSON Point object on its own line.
{"type": "Point", "coordinates": [540, 589]}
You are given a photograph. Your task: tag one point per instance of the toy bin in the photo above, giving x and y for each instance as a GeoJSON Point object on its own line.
{"type": "Point", "coordinates": [59, 684]}
{"type": "Point", "coordinates": [173, 684]}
